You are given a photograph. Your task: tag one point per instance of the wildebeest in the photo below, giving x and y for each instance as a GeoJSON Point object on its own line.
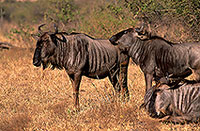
{"type": "Point", "coordinates": [81, 55]}
{"type": "Point", "coordinates": [178, 105]}
{"type": "Point", "coordinates": [158, 57]}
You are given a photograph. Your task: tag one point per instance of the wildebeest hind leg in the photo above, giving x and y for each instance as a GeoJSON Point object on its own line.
{"type": "Point", "coordinates": [115, 84]}
{"type": "Point", "coordinates": [148, 81]}
{"type": "Point", "coordinates": [76, 79]}
{"type": "Point", "coordinates": [182, 75]}
{"type": "Point", "coordinates": [178, 119]}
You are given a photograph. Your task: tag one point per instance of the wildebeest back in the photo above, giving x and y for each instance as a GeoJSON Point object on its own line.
{"type": "Point", "coordinates": [97, 55]}
{"type": "Point", "coordinates": [171, 58]}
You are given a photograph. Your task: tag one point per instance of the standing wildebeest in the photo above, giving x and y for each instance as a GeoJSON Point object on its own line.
{"type": "Point", "coordinates": [80, 54]}
{"type": "Point", "coordinates": [178, 105]}
{"type": "Point", "coordinates": [158, 57]}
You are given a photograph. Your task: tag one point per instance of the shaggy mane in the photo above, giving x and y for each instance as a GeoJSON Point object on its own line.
{"type": "Point", "coordinates": [75, 33]}
{"type": "Point", "coordinates": [160, 38]}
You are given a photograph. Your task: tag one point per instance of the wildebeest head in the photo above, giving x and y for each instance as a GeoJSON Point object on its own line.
{"type": "Point", "coordinates": [149, 102]}
{"type": "Point", "coordinates": [163, 101]}
{"type": "Point", "coordinates": [45, 48]}
{"type": "Point", "coordinates": [126, 38]}
{"type": "Point", "coordinates": [157, 101]}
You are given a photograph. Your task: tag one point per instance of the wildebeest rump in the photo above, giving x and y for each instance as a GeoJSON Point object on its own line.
{"type": "Point", "coordinates": [178, 105]}
{"type": "Point", "coordinates": [80, 54]}
{"type": "Point", "coordinates": [158, 57]}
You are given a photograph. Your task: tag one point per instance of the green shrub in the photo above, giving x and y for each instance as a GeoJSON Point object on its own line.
{"type": "Point", "coordinates": [106, 19]}
{"type": "Point", "coordinates": [102, 18]}
{"type": "Point", "coordinates": [60, 11]}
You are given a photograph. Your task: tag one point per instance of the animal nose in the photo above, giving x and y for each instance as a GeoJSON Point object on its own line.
{"type": "Point", "coordinates": [36, 63]}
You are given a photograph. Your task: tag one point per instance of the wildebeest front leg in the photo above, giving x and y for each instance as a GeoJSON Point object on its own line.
{"type": "Point", "coordinates": [123, 80]}
{"type": "Point", "coordinates": [114, 78]}
{"type": "Point", "coordinates": [148, 81]}
{"type": "Point", "coordinates": [119, 82]}
{"type": "Point", "coordinates": [76, 79]}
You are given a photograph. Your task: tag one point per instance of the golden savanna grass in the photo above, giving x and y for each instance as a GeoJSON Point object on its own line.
{"type": "Point", "coordinates": [33, 99]}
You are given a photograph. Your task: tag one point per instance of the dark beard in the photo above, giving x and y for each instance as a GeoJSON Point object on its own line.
{"type": "Point", "coordinates": [45, 65]}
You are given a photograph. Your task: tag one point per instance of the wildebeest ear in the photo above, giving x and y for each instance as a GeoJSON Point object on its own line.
{"type": "Point", "coordinates": [53, 38]}
{"type": "Point", "coordinates": [163, 87]}
{"type": "Point", "coordinates": [141, 36]}
{"type": "Point", "coordinates": [36, 37]}
{"type": "Point", "coordinates": [113, 39]}
{"type": "Point", "coordinates": [139, 30]}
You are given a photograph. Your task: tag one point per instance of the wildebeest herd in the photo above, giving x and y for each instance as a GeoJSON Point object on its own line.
{"type": "Point", "coordinates": [170, 99]}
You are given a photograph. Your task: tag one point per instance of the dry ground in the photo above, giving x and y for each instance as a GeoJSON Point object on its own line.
{"type": "Point", "coordinates": [32, 99]}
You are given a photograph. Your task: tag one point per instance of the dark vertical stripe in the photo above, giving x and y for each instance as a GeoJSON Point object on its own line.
{"type": "Point", "coordinates": [193, 94]}
{"type": "Point", "coordinates": [186, 99]}
{"type": "Point", "coordinates": [66, 52]}
{"type": "Point", "coordinates": [135, 51]}
{"type": "Point", "coordinates": [142, 52]}
{"type": "Point", "coordinates": [98, 52]}
{"type": "Point", "coordinates": [95, 57]}
{"type": "Point", "coordinates": [107, 56]}
{"type": "Point", "coordinates": [163, 60]}
{"type": "Point", "coordinates": [175, 98]}
{"type": "Point", "coordinates": [181, 100]}
{"type": "Point", "coordinates": [196, 93]}
{"type": "Point", "coordinates": [104, 57]}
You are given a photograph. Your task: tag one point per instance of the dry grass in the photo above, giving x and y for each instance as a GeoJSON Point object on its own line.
{"type": "Point", "coordinates": [32, 99]}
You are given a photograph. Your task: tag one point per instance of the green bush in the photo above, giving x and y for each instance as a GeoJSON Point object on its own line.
{"type": "Point", "coordinates": [60, 11]}
{"type": "Point", "coordinates": [186, 9]}
{"type": "Point", "coordinates": [102, 18]}
{"type": "Point", "coordinates": [23, 12]}
{"type": "Point", "coordinates": [105, 20]}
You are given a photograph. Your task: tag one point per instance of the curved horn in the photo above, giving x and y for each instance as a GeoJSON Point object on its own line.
{"type": "Point", "coordinates": [139, 29]}
{"type": "Point", "coordinates": [39, 28]}
{"type": "Point", "coordinates": [63, 38]}
{"type": "Point", "coordinates": [56, 28]}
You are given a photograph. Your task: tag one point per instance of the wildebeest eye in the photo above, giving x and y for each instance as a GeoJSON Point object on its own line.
{"type": "Point", "coordinates": [140, 33]}
{"type": "Point", "coordinates": [137, 29]}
